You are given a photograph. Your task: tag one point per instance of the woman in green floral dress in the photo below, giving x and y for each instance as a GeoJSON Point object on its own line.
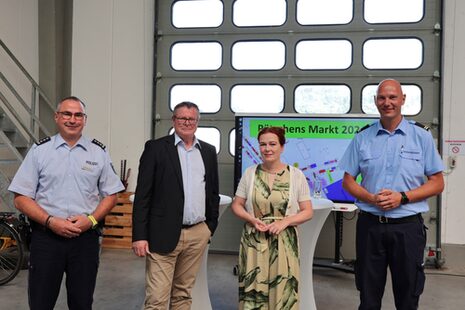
{"type": "Point", "coordinates": [272, 198]}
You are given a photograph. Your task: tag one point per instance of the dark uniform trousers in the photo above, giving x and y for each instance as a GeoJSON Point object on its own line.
{"type": "Point", "coordinates": [51, 256]}
{"type": "Point", "coordinates": [399, 244]}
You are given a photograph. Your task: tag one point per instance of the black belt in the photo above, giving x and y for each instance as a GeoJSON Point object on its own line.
{"type": "Point", "coordinates": [392, 220]}
{"type": "Point", "coordinates": [187, 226]}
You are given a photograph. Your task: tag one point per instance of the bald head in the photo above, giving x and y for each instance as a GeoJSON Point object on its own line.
{"type": "Point", "coordinates": [390, 83]}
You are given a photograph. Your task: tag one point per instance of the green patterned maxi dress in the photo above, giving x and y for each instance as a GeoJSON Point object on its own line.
{"type": "Point", "coordinates": [269, 265]}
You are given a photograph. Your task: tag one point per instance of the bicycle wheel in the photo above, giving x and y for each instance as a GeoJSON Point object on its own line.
{"type": "Point", "coordinates": [11, 253]}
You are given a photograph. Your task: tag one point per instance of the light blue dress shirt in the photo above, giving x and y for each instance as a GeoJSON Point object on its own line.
{"type": "Point", "coordinates": [399, 161]}
{"type": "Point", "coordinates": [66, 181]}
{"type": "Point", "coordinates": [193, 180]}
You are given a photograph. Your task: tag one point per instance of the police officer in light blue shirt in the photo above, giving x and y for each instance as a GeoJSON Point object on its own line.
{"type": "Point", "coordinates": [400, 168]}
{"type": "Point", "coordinates": [65, 185]}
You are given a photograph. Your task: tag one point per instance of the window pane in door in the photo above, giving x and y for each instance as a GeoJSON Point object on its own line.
{"type": "Point", "coordinates": [257, 98]}
{"type": "Point", "coordinates": [196, 56]}
{"type": "Point", "coordinates": [251, 55]}
{"type": "Point", "coordinates": [323, 12]}
{"type": "Point", "coordinates": [323, 54]}
{"type": "Point", "coordinates": [206, 97]}
{"type": "Point", "coordinates": [232, 142]}
{"type": "Point", "coordinates": [250, 13]}
{"type": "Point", "coordinates": [393, 11]}
{"type": "Point", "coordinates": [330, 99]}
{"type": "Point", "coordinates": [393, 53]}
{"type": "Point", "coordinates": [197, 13]}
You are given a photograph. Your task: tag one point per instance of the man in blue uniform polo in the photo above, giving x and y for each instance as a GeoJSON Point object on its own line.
{"type": "Point", "coordinates": [65, 185]}
{"type": "Point", "coordinates": [393, 156]}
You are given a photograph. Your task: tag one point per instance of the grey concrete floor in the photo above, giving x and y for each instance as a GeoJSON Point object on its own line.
{"type": "Point", "coordinates": [120, 285]}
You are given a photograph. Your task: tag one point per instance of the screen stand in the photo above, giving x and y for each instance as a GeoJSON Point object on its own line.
{"type": "Point", "coordinates": [337, 262]}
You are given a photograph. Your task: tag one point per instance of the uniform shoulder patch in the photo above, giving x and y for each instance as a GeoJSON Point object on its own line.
{"type": "Point", "coordinates": [43, 140]}
{"type": "Point", "coordinates": [95, 141]}
{"type": "Point", "coordinates": [422, 126]}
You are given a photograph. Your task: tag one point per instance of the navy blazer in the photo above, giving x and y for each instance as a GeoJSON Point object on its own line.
{"type": "Point", "coordinates": [159, 200]}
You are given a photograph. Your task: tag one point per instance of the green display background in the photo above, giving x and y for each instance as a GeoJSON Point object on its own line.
{"type": "Point", "coordinates": [320, 129]}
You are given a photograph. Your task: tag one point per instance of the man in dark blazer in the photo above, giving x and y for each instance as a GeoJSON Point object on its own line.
{"type": "Point", "coordinates": [175, 210]}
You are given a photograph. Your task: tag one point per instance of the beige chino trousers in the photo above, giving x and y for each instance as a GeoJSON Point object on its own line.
{"type": "Point", "coordinates": [170, 277]}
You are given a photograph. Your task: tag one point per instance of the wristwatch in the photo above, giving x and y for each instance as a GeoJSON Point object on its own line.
{"type": "Point", "coordinates": [404, 200]}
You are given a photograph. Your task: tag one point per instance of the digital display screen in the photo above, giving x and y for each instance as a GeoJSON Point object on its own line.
{"type": "Point", "coordinates": [314, 144]}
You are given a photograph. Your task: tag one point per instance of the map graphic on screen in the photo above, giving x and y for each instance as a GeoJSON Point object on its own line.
{"type": "Point", "coordinates": [313, 144]}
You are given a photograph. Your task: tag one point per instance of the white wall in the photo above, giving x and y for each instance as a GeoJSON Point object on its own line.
{"type": "Point", "coordinates": [453, 206]}
{"type": "Point", "coordinates": [19, 31]}
{"type": "Point", "coordinates": [112, 73]}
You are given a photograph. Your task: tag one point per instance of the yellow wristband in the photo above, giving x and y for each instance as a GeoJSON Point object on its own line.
{"type": "Point", "coordinates": [93, 220]}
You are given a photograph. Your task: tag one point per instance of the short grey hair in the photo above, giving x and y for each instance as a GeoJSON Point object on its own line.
{"type": "Point", "coordinates": [74, 98]}
{"type": "Point", "coordinates": [187, 104]}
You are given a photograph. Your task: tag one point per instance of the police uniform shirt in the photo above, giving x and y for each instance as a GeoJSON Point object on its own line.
{"type": "Point", "coordinates": [399, 161]}
{"type": "Point", "coordinates": [66, 181]}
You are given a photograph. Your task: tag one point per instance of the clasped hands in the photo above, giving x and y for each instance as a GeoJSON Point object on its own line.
{"type": "Point", "coordinates": [70, 227]}
{"type": "Point", "coordinates": [387, 199]}
{"type": "Point", "coordinates": [274, 228]}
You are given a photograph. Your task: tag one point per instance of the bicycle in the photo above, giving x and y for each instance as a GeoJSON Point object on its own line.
{"type": "Point", "coordinates": [14, 242]}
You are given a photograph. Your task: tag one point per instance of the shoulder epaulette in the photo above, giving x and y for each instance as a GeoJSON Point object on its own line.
{"type": "Point", "coordinates": [43, 140]}
{"type": "Point", "coordinates": [95, 141]}
{"type": "Point", "coordinates": [363, 128]}
{"type": "Point", "coordinates": [422, 126]}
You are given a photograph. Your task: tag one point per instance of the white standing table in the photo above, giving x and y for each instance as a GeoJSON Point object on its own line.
{"type": "Point", "coordinates": [308, 236]}
{"type": "Point", "coordinates": [200, 296]}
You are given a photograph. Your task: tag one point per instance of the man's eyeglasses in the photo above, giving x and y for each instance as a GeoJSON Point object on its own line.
{"type": "Point", "coordinates": [68, 115]}
{"type": "Point", "coordinates": [186, 120]}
